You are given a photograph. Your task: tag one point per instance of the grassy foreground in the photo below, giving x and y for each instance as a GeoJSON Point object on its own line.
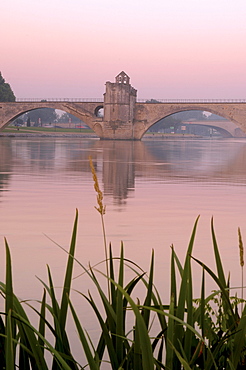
{"type": "Point", "coordinates": [190, 335]}
{"type": "Point", "coordinates": [208, 332]}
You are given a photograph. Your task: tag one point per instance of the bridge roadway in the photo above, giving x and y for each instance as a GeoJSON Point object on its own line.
{"type": "Point", "coordinates": [124, 117]}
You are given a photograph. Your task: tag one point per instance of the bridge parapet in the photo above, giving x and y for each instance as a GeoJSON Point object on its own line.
{"type": "Point", "coordinates": [80, 100]}
{"type": "Point", "coordinates": [175, 101]}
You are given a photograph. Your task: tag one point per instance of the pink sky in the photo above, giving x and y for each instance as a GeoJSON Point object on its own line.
{"type": "Point", "coordinates": [170, 49]}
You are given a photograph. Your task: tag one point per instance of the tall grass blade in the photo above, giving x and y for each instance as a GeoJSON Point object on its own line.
{"type": "Point", "coordinates": [147, 302]}
{"type": "Point", "coordinates": [224, 291]}
{"type": "Point", "coordinates": [2, 344]}
{"type": "Point", "coordinates": [185, 296]}
{"type": "Point", "coordinates": [239, 341]}
{"type": "Point", "coordinates": [184, 363]}
{"type": "Point", "coordinates": [173, 292]}
{"type": "Point", "coordinates": [199, 354]}
{"type": "Point", "coordinates": [56, 354]}
{"type": "Point", "coordinates": [28, 338]}
{"type": "Point", "coordinates": [185, 287]}
{"type": "Point", "coordinates": [68, 276]}
{"type": "Point", "coordinates": [10, 358]}
{"type": "Point", "coordinates": [202, 306]}
{"type": "Point", "coordinates": [155, 295]}
{"type": "Point", "coordinates": [170, 335]}
{"type": "Point", "coordinates": [219, 266]}
{"type": "Point", "coordinates": [111, 271]}
{"type": "Point", "coordinates": [106, 336]}
{"type": "Point", "coordinates": [42, 322]}
{"type": "Point", "coordinates": [9, 283]}
{"type": "Point", "coordinates": [146, 349]}
{"type": "Point", "coordinates": [241, 255]}
{"type": "Point", "coordinates": [177, 261]}
{"type": "Point", "coordinates": [158, 364]}
{"type": "Point", "coordinates": [110, 311]}
{"type": "Point", "coordinates": [119, 333]}
{"type": "Point", "coordinates": [60, 313]}
{"type": "Point", "coordinates": [62, 343]}
{"type": "Point", "coordinates": [189, 327]}
{"type": "Point", "coordinates": [171, 322]}
{"type": "Point", "coordinates": [137, 356]}
{"type": "Point", "coordinates": [55, 305]}
{"type": "Point", "coordinates": [90, 358]}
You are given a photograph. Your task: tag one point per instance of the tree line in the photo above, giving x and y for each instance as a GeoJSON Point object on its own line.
{"type": "Point", "coordinates": [44, 116]}
{"type": "Point", "coordinates": [6, 93]}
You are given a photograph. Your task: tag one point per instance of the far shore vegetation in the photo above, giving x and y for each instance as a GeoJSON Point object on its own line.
{"type": "Point", "coordinates": [53, 130]}
{"type": "Point", "coordinates": [48, 129]}
{"type": "Point", "coordinates": [6, 93]}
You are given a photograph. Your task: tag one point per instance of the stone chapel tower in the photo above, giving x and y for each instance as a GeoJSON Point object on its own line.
{"type": "Point", "coordinates": [119, 102]}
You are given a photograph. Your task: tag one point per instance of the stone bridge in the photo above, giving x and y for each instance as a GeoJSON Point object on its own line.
{"type": "Point", "coordinates": [124, 117]}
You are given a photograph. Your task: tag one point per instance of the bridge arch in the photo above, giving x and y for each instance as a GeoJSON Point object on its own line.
{"type": "Point", "coordinates": [157, 111]}
{"type": "Point", "coordinates": [225, 128]}
{"type": "Point", "coordinates": [99, 111]}
{"type": "Point", "coordinates": [84, 111]}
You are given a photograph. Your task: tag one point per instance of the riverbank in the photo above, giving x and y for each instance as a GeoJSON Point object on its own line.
{"type": "Point", "coordinates": [48, 134]}
{"type": "Point", "coordinates": [86, 135]}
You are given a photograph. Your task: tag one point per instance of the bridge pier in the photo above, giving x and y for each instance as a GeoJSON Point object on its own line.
{"type": "Point", "coordinates": [119, 109]}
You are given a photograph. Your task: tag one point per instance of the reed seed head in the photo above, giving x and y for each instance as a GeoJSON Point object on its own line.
{"type": "Point", "coordinates": [240, 247]}
{"type": "Point", "coordinates": [101, 208]}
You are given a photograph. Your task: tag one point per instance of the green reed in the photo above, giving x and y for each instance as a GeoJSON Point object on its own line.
{"type": "Point", "coordinates": [101, 208]}
{"type": "Point", "coordinates": [241, 256]}
{"type": "Point", "coordinates": [206, 332]}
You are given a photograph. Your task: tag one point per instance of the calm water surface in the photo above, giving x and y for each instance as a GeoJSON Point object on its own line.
{"type": "Point", "coordinates": [154, 190]}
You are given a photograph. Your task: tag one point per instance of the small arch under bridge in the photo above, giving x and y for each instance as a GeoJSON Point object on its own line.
{"type": "Point", "coordinates": [124, 117]}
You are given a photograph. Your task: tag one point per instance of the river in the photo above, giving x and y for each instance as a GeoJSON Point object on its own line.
{"type": "Point", "coordinates": [153, 191]}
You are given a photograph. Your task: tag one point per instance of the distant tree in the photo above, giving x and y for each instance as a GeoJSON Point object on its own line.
{"type": "Point", "coordinates": [28, 122]}
{"type": "Point", "coordinates": [19, 122]}
{"type": "Point", "coordinates": [163, 124]}
{"type": "Point", "coordinates": [43, 116]}
{"type": "Point", "coordinates": [67, 117]}
{"type": "Point", "coordinates": [152, 101]}
{"type": "Point", "coordinates": [6, 93]}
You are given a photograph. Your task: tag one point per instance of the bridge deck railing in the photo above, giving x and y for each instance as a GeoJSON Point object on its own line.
{"type": "Point", "coordinates": [79, 100]}
{"type": "Point", "coordinates": [156, 101]}
{"type": "Point", "coordinates": [152, 101]}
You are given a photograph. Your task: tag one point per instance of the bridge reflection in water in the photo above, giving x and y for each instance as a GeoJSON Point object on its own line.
{"type": "Point", "coordinates": [120, 164]}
